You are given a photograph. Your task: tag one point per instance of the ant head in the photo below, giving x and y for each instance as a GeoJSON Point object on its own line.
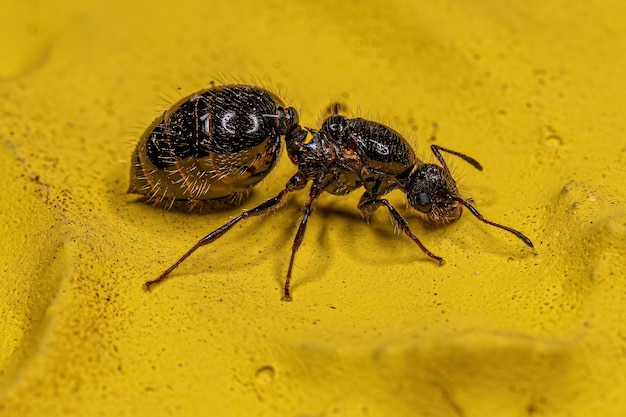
{"type": "Point", "coordinates": [287, 119]}
{"type": "Point", "coordinates": [432, 191]}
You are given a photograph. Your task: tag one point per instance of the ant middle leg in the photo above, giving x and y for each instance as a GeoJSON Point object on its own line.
{"type": "Point", "coordinates": [314, 193]}
{"type": "Point", "coordinates": [369, 204]}
{"type": "Point", "coordinates": [297, 182]}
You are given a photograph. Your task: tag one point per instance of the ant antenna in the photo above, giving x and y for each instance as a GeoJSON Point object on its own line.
{"type": "Point", "coordinates": [471, 161]}
{"type": "Point", "coordinates": [482, 219]}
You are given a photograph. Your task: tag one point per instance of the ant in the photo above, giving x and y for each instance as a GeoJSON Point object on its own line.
{"type": "Point", "coordinates": [349, 153]}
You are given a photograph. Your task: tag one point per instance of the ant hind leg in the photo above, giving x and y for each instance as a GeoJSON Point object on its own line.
{"type": "Point", "coordinates": [296, 182]}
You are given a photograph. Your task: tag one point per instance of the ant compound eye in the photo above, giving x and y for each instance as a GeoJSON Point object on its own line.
{"type": "Point", "coordinates": [420, 200]}
{"type": "Point", "coordinates": [423, 203]}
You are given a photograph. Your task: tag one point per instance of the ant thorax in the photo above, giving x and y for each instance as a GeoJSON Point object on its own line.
{"type": "Point", "coordinates": [346, 154]}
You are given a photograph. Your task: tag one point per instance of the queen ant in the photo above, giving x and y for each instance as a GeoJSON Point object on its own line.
{"type": "Point", "coordinates": [345, 154]}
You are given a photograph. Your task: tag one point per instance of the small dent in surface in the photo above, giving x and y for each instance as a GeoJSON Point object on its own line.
{"type": "Point", "coordinates": [550, 137]}
{"type": "Point", "coordinates": [264, 375]}
{"type": "Point", "coordinates": [578, 195]}
{"type": "Point", "coordinates": [553, 141]}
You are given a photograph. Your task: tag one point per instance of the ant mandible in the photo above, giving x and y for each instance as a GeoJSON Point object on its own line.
{"type": "Point", "coordinates": [348, 153]}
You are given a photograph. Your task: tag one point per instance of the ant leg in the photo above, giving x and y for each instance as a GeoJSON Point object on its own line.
{"type": "Point", "coordinates": [369, 204]}
{"type": "Point", "coordinates": [308, 208]}
{"type": "Point", "coordinates": [297, 182]}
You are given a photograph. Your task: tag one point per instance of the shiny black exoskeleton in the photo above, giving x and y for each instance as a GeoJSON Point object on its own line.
{"type": "Point", "coordinates": [347, 154]}
{"type": "Point", "coordinates": [210, 148]}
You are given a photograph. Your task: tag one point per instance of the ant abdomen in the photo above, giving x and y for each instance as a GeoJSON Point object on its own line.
{"type": "Point", "coordinates": [209, 150]}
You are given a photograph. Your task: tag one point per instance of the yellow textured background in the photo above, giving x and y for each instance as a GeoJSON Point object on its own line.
{"type": "Point", "coordinates": [534, 90]}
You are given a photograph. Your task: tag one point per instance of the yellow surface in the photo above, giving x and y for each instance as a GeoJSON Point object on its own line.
{"type": "Point", "coordinates": [533, 90]}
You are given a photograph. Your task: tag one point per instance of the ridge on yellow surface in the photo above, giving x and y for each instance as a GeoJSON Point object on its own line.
{"type": "Point", "coordinates": [534, 91]}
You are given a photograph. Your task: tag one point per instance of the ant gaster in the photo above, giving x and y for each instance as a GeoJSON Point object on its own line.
{"type": "Point", "coordinates": [210, 148]}
{"type": "Point", "coordinates": [348, 153]}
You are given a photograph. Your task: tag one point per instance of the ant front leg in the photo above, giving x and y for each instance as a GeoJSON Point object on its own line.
{"type": "Point", "coordinates": [370, 203]}
{"type": "Point", "coordinates": [308, 209]}
{"type": "Point", "coordinates": [297, 182]}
